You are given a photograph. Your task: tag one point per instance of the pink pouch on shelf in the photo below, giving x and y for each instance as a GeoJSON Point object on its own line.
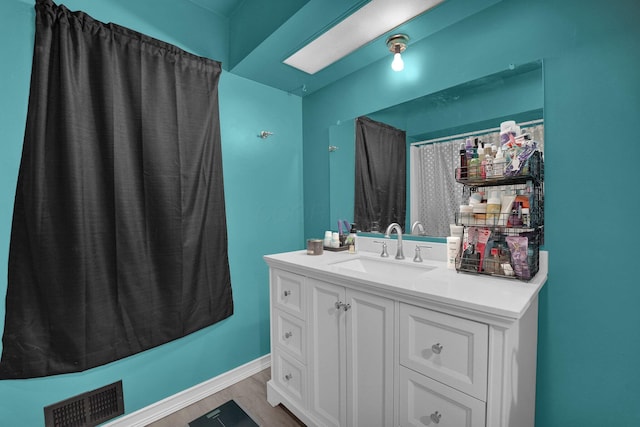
{"type": "Point", "coordinates": [518, 245]}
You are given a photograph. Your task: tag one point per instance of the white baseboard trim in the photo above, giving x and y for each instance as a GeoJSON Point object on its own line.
{"type": "Point", "coordinates": [181, 400]}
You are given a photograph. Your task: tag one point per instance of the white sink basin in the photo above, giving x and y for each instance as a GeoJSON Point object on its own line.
{"type": "Point", "coordinates": [382, 267]}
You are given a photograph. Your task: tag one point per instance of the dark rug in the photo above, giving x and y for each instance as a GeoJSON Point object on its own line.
{"type": "Point", "coordinates": [226, 415]}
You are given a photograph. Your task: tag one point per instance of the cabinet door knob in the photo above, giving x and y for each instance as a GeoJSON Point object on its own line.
{"type": "Point", "coordinates": [340, 305]}
{"type": "Point", "coordinates": [288, 377]}
{"type": "Point", "coordinates": [288, 334]}
{"type": "Point", "coordinates": [287, 293]}
{"type": "Point", "coordinates": [436, 348]}
{"type": "Point", "coordinates": [435, 417]}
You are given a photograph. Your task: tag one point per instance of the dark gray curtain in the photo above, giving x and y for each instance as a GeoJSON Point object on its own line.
{"type": "Point", "coordinates": [118, 241]}
{"type": "Point", "coordinates": [381, 167]}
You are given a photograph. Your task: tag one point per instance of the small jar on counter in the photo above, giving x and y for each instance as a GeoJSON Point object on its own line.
{"type": "Point", "coordinates": [314, 247]}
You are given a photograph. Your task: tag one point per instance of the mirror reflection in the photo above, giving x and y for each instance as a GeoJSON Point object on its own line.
{"type": "Point", "coordinates": [474, 109]}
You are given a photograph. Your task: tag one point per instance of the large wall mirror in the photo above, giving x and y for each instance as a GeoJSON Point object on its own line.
{"type": "Point", "coordinates": [480, 105]}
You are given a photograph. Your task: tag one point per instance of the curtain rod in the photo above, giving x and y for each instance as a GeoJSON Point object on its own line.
{"type": "Point", "coordinates": [477, 132]}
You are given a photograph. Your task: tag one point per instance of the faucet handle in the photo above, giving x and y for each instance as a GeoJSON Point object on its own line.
{"type": "Point", "coordinates": [418, 255]}
{"type": "Point", "coordinates": [384, 253]}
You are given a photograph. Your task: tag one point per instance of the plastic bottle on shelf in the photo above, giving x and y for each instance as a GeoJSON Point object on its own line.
{"type": "Point", "coordinates": [526, 218]}
{"type": "Point", "coordinates": [493, 208]}
{"type": "Point", "coordinates": [515, 219]}
{"type": "Point", "coordinates": [504, 257]}
{"type": "Point", "coordinates": [499, 163]}
{"type": "Point", "coordinates": [488, 150]}
{"type": "Point", "coordinates": [469, 148]}
{"type": "Point", "coordinates": [492, 263]}
{"type": "Point", "coordinates": [474, 166]}
{"type": "Point", "coordinates": [483, 163]}
{"type": "Point", "coordinates": [462, 170]}
{"type": "Point", "coordinates": [488, 166]}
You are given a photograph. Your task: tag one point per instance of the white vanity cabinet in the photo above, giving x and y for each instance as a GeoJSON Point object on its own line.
{"type": "Point", "coordinates": [350, 356]}
{"type": "Point", "coordinates": [443, 369]}
{"type": "Point", "coordinates": [447, 349]}
{"type": "Point", "coordinates": [288, 335]}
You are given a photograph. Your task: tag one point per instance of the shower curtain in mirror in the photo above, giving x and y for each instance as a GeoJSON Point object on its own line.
{"type": "Point", "coordinates": [435, 194]}
{"type": "Point", "coordinates": [380, 193]}
{"type": "Point", "coordinates": [119, 241]}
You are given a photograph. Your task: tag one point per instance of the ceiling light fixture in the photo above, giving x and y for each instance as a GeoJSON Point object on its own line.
{"type": "Point", "coordinates": [373, 20]}
{"type": "Point", "coordinates": [397, 44]}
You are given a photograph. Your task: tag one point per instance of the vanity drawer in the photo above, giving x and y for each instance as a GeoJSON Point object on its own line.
{"type": "Point", "coordinates": [288, 292]}
{"type": "Point", "coordinates": [290, 375]}
{"type": "Point", "coordinates": [425, 402]}
{"type": "Point", "coordinates": [446, 348]}
{"type": "Point", "coordinates": [289, 334]}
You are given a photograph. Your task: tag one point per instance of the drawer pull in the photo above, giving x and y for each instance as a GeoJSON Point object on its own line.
{"type": "Point", "coordinates": [288, 334]}
{"type": "Point", "coordinates": [346, 307]}
{"type": "Point", "coordinates": [436, 348]}
{"type": "Point", "coordinates": [287, 293]}
{"type": "Point", "coordinates": [435, 417]}
{"type": "Point", "coordinates": [288, 377]}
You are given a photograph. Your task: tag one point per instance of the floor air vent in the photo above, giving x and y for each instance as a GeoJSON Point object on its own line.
{"type": "Point", "coordinates": [87, 409]}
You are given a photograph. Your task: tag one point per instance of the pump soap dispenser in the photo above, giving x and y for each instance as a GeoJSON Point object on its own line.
{"type": "Point", "coordinates": [352, 240]}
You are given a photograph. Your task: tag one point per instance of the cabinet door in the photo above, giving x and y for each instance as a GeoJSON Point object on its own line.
{"type": "Point", "coordinates": [327, 353]}
{"type": "Point", "coordinates": [370, 344]}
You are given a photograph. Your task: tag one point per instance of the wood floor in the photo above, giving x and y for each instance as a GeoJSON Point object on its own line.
{"type": "Point", "coordinates": [250, 394]}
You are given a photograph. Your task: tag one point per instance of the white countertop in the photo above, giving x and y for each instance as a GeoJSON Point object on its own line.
{"type": "Point", "coordinates": [492, 295]}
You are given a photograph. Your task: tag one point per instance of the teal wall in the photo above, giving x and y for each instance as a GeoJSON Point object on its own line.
{"type": "Point", "coordinates": [588, 345]}
{"type": "Point", "coordinates": [588, 341]}
{"type": "Point", "coordinates": [263, 198]}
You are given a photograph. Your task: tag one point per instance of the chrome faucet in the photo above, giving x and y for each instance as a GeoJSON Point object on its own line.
{"type": "Point", "coordinates": [387, 234]}
{"type": "Point", "coordinates": [419, 226]}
